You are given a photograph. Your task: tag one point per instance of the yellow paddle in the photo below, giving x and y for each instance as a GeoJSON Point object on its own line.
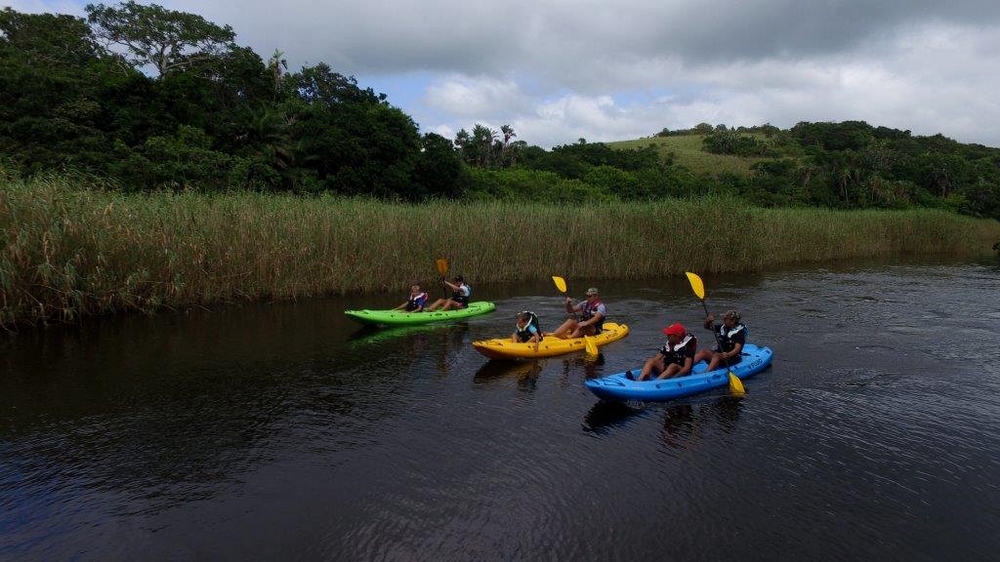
{"type": "Point", "coordinates": [442, 265]}
{"type": "Point", "coordinates": [588, 341]}
{"type": "Point", "coordinates": [735, 384]}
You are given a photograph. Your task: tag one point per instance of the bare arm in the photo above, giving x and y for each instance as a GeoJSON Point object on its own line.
{"type": "Point", "coordinates": [687, 366]}
{"type": "Point", "coordinates": [597, 317]}
{"type": "Point", "coordinates": [735, 352]}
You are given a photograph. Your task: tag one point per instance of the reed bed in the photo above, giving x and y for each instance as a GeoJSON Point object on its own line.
{"type": "Point", "coordinates": [69, 252]}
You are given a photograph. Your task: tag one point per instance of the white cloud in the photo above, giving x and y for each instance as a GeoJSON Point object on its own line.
{"type": "Point", "coordinates": [471, 97]}
{"type": "Point", "coordinates": [45, 6]}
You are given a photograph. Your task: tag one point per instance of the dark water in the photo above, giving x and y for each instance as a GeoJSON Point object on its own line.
{"type": "Point", "coordinates": [284, 432]}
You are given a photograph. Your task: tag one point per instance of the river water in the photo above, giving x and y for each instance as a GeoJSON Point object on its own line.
{"type": "Point", "coordinates": [285, 432]}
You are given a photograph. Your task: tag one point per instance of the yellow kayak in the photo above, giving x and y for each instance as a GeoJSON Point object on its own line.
{"type": "Point", "coordinates": [503, 348]}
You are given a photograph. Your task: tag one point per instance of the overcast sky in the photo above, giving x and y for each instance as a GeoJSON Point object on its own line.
{"type": "Point", "coordinates": [561, 70]}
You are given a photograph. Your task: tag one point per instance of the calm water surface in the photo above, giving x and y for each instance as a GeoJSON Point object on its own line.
{"type": "Point", "coordinates": [285, 432]}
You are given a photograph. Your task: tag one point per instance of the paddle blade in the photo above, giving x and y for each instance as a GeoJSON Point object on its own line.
{"type": "Point", "coordinates": [560, 283]}
{"type": "Point", "coordinates": [696, 285]}
{"type": "Point", "coordinates": [589, 345]}
{"type": "Point", "coordinates": [442, 265]}
{"type": "Point", "coordinates": [736, 385]}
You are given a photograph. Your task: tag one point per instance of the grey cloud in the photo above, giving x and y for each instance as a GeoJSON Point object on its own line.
{"type": "Point", "coordinates": [920, 65]}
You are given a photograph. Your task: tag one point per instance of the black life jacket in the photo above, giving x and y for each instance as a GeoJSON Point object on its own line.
{"type": "Point", "coordinates": [727, 337]}
{"type": "Point", "coordinates": [677, 353]}
{"type": "Point", "coordinates": [524, 334]}
{"type": "Point", "coordinates": [458, 297]}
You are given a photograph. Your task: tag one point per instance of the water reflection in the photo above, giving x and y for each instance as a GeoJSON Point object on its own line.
{"type": "Point", "coordinates": [445, 343]}
{"type": "Point", "coordinates": [683, 421]}
{"type": "Point", "coordinates": [603, 415]}
{"type": "Point", "coordinates": [525, 372]}
{"type": "Point", "coordinates": [500, 368]}
{"type": "Point", "coordinates": [283, 431]}
{"type": "Point", "coordinates": [678, 426]}
{"type": "Point", "coordinates": [370, 334]}
{"type": "Point", "coordinates": [455, 343]}
{"type": "Point", "coordinates": [592, 366]}
{"type": "Point", "coordinates": [680, 421]}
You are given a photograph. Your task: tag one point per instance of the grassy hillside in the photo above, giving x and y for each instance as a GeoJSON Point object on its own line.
{"type": "Point", "coordinates": [687, 152]}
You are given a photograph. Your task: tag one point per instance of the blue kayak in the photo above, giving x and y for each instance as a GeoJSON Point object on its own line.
{"type": "Point", "coordinates": [619, 387]}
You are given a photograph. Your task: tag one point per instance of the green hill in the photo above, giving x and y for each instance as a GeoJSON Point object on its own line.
{"type": "Point", "coordinates": [686, 150]}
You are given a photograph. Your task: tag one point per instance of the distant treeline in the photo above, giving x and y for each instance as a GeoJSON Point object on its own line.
{"type": "Point", "coordinates": [150, 99]}
{"type": "Point", "coordinates": [855, 165]}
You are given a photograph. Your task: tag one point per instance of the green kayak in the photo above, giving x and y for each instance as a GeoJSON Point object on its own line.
{"type": "Point", "coordinates": [401, 318]}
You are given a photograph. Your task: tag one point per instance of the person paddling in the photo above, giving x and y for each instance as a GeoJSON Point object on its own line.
{"type": "Point", "coordinates": [590, 321]}
{"type": "Point", "coordinates": [460, 293]}
{"type": "Point", "coordinates": [731, 334]}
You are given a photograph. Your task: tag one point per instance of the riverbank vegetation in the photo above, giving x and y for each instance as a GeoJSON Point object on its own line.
{"type": "Point", "coordinates": [147, 161]}
{"type": "Point", "coordinates": [151, 99]}
{"type": "Point", "coordinates": [69, 251]}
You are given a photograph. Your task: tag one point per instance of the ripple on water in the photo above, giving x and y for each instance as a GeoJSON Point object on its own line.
{"type": "Point", "coordinates": [871, 437]}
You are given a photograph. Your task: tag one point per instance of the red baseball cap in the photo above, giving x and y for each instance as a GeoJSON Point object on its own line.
{"type": "Point", "coordinates": [675, 329]}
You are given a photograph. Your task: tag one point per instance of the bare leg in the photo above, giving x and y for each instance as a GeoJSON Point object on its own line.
{"type": "Point", "coordinates": [566, 327]}
{"type": "Point", "coordinates": [670, 371]}
{"type": "Point", "coordinates": [702, 355]}
{"type": "Point", "coordinates": [714, 363]}
{"type": "Point", "coordinates": [654, 363]}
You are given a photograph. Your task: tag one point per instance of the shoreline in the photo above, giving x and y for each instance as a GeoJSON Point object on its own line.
{"type": "Point", "coordinates": [70, 253]}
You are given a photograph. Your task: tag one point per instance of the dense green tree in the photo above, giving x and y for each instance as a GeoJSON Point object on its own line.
{"type": "Point", "coordinates": [439, 171]}
{"type": "Point", "coordinates": [320, 85]}
{"type": "Point", "coordinates": [153, 36]}
{"type": "Point", "coordinates": [50, 68]}
{"type": "Point", "coordinates": [183, 160]}
{"type": "Point", "coordinates": [981, 192]}
{"type": "Point", "coordinates": [847, 135]}
{"type": "Point", "coordinates": [729, 141]}
{"type": "Point", "coordinates": [347, 139]}
{"type": "Point", "coordinates": [609, 180]}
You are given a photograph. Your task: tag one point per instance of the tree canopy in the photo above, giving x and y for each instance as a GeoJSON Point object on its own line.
{"type": "Point", "coordinates": [151, 98]}
{"type": "Point", "coordinates": [153, 36]}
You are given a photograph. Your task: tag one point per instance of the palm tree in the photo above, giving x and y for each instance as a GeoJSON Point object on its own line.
{"type": "Point", "coordinates": [508, 133]}
{"type": "Point", "coordinates": [267, 137]}
{"type": "Point", "coordinates": [484, 137]}
{"type": "Point", "coordinates": [463, 142]}
{"type": "Point", "coordinates": [275, 64]}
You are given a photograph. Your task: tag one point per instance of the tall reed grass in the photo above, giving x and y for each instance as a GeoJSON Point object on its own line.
{"type": "Point", "coordinates": [68, 252]}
